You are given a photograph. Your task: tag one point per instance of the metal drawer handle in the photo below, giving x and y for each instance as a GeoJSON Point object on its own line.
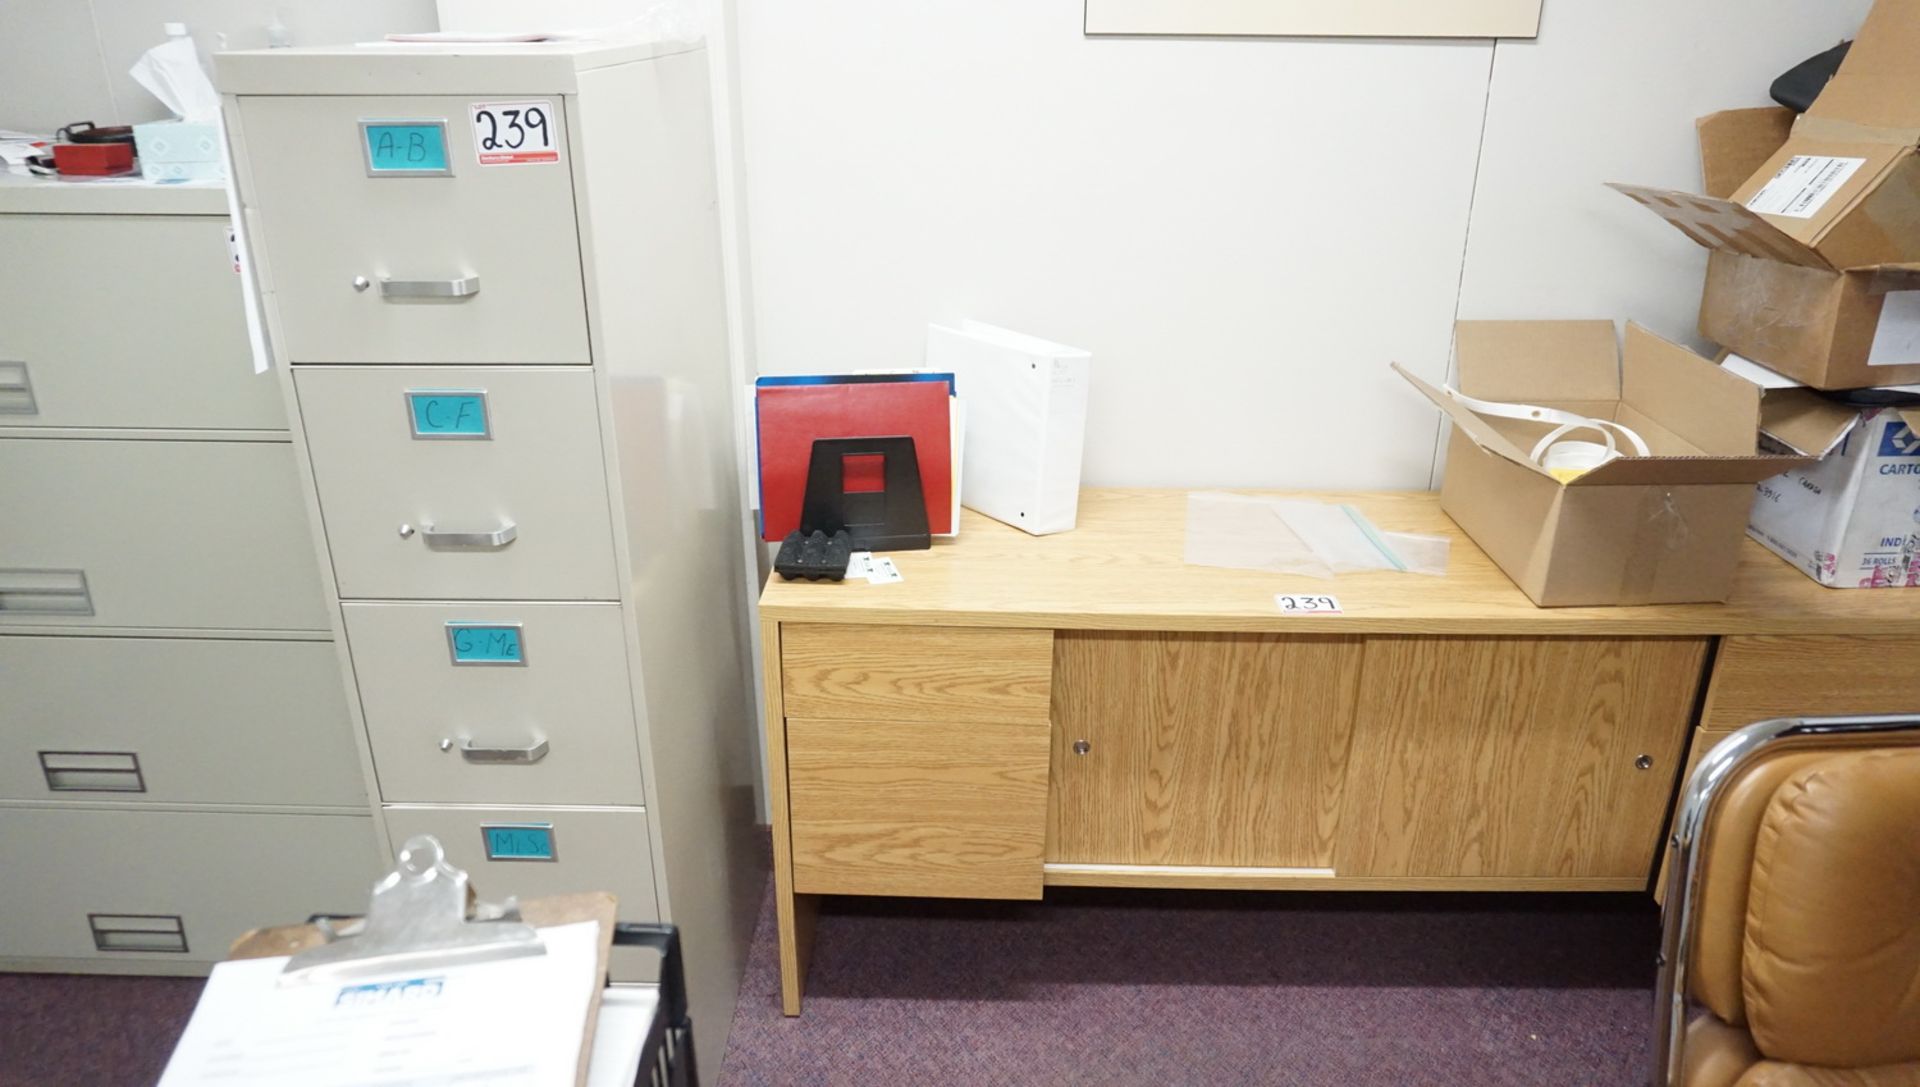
{"type": "Point", "coordinates": [16, 391]}
{"type": "Point", "coordinates": [464, 287]}
{"type": "Point", "coordinates": [138, 932]}
{"type": "Point", "coordinates": [447, 540]}
{"type": "Point", "coordinates": [524, 756]}
{"type": "Point", "coordinates": [92, 772]}
{"type": "Point", "coordinates": [45, 592]}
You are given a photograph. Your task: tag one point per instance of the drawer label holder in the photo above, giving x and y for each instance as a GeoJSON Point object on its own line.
{"type": "Point", "coordinates": [443, 414]}
{"type": "Point", "coordinates": [519, 841]}
{"type": "Point", "coordinates": [486, 643]}
{"type": "Point", "coordinates": [406, 148]}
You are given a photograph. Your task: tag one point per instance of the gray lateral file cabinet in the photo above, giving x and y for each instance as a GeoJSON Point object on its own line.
{"type": "Point", "coordinates": [177, 762]}
{"type": "Point", "coordinates": [493, 276]}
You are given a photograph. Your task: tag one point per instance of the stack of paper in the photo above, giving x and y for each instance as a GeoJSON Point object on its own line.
{"type": "Point", "coordinates": [512, 1023]}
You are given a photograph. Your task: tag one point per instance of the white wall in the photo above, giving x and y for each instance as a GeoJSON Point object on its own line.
{"type": "Point", "coordinates": [1244, 232]}
{"type": "Point", "coordinates": [67, 60]}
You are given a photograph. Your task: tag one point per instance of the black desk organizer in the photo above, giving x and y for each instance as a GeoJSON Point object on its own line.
{"type": "Point", "coordinates": [835, 523]}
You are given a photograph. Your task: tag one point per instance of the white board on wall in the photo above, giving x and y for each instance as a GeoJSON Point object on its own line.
{"type": "Point", "coordinates": [1318, 18]}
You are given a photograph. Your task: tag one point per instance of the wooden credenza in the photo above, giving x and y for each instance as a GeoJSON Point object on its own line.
{"type": "Point", "coordinates": [1086, 709]}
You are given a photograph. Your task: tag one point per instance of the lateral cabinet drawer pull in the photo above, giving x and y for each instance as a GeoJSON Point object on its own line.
{"type": "Point", "coordinates": [447, 540]}
{"type": "Point", "coordinates": [92, 772]}
{"type": "Point", "coordinates": [527, 755]}
{"type": "Point", "coordinates": [45, 592]}
{"type": "Point", "coordinates": [463, 287]}
{"type": "Point", "coordinates": [138, 932]}
{"type": "Point", "coordinates": [16, 391]}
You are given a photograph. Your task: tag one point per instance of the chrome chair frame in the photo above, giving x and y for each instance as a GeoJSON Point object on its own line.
{"type": "Point", "coordinates": [1694, 817]}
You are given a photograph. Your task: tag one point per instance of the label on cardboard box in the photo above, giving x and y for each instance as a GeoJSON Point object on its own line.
{"type": "Point", "coordinates": [1804, 185]}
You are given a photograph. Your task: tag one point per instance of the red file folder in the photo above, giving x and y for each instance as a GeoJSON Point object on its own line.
{"type": "Point", "coordinates": [791, 416]}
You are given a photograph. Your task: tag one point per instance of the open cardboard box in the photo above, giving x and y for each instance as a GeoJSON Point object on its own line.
{"type": "Point", "coordinates": [1851, 519]}
{"type": "Point", "coordinates": [1815, 266]}
{"type": "Point", "coordinates": [1664, 528]}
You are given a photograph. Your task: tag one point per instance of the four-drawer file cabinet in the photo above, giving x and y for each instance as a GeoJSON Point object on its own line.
{"type": "Point", "coordinates": [176, 756]}
{"type": "Point", "coordinates": [493, 278]}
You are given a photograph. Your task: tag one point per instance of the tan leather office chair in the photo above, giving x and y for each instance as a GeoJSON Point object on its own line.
{"type": "Point", "coordinates": [1793, 910]}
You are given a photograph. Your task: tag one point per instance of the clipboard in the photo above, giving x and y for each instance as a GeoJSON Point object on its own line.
{"type": "Point", "coordinates": [425, 913]}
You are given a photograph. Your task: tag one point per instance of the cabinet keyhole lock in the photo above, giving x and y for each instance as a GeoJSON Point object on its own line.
{"type": "Point", "coordinates": [1081, 747]}
{"type": "Point", "coordinates": [446, 744]}
{"type": "Point", "coordinates": [406, 532]}
{"type": "Point", "coordinates": [1644, 762]}
{"type": "Point", "coordinates": [361, 283]}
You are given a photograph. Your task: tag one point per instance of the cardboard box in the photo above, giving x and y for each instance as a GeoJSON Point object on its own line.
{"type": "Point", "coordinates": [1851, 520]}
{"type": "Point", "coordinates": [177, 150]}
{"type": "Point", "coordinates": [1665, 528]}
{"type": "Point", "coordinates": [1816, 255]}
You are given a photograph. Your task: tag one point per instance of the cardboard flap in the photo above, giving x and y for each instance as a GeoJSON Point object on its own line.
{"type": "Point", "coordinates": [1806, 422]}
{"type": "Point", "coordinates": [1910, 416]}
{"type": "Point", "coordinates": [1531, 362]}
{"type": "Point", "coordinates": [1735, 143]}
{"type": "Point", "coordinates": [1715, 411]}
{"type": "Point", "coordinates": [1878, 85]}
{"type": "Point", "coordinates": [1477, 429]}
{"type": "Point", "coordinates": [1686, 471]}
{"type": "Point", "coordinates": [1890, 277]}
{"type": "Point", "coordinates": [1722, 225]}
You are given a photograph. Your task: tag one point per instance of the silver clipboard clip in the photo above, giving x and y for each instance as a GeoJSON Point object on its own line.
{"type": "Point", "coordinates": [418, 919]}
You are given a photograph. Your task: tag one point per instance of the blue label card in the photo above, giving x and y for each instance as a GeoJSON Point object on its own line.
{"type": "Point", "coordinates": [444, 413]}
{"type": "Point", "coordinates": [518, 841]}
{"type": "Point", "coordinates": [485, 643]}
{"type": "Point", "coordinates": [405, 147]}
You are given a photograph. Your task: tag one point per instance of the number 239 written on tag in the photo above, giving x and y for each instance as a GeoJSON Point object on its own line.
{"type": "Point", "coordinates": [1319, 604]}
{"type": "Point", "coordinates": [515, 133]}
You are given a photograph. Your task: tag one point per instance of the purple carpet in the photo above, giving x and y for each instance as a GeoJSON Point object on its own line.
{"type": "Point", "coordinates": [1114, 988]}
{"type": "Point", "coordinates": [1091, 987]}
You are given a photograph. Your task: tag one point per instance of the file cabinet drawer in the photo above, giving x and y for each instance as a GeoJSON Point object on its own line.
{"type": "Point", "coordinates": [167, 347]}
{"type": "Point", "coordinates": [197, 535]}
{"type": "Point", "coordinates": [175, 720]}
{"type": "Point", "coordinates": [374, 272]}
{"type": "Point", "coordinates": [593, 850]}
{"type": "Point", "coordinates": [160, 887]}
{"type": "Point", "coordinates": [536, 710]}
{"type": "Point", "coordinates": [519, 513]}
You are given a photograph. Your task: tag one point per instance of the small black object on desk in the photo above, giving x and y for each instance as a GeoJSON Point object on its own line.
{"type": "Point", "coordinates": [835, 522]}
{"type": "Point", "coordinates": [814, 556]}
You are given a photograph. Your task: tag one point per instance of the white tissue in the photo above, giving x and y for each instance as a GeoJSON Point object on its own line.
{"type": "Point", "coordinates": [171, 72]}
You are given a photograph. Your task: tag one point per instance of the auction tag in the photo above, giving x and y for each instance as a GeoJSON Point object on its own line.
{"type": "Point", "coordinates": [1319, 604]}
{"type": "Point", "coordinates": [883, 572]}
{"type": "Point", "coordinates": [514, 133]}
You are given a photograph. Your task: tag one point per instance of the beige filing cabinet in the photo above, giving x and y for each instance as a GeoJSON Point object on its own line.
{"type": "Point", "coordinates": [493, 277]}
{"type": "Point", "coordinates": [177, 762]}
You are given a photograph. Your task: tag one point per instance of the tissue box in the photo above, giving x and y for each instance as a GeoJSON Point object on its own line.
{"type": "Point", "coordinates": [177, 150]}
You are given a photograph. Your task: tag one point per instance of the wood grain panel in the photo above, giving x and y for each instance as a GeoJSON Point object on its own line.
{"type": "Point", "coordinates": [793, 914]}
{"type": "Point", "coordinates": [1203, 749]}
{"type": "Point", "coordinates": [939, 674]}
{"type": "Point", "coordinates": [1759, 677]}
{"type": "Point", "coordinates": [947, 810]}
{"type": "Point", "coordinates": [1510, 757]}
{"type": "Point", "coordinates": [1122, 568]}
{"type": "Point", "coordinates": [1259, 879]}
{"type": "Point", "coordinates": [1702, 742]}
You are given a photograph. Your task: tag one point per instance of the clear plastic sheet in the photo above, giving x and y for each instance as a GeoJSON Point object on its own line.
{"type": "Point", "coordinates": [1298, 536]}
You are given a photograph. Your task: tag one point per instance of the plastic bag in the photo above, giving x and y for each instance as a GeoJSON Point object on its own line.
{"type": "Point", "coordinates": [1298, 536]}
